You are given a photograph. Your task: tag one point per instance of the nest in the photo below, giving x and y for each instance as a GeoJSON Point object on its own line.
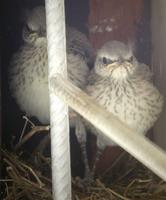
{"type": "Point", "coordinates": [28, 177]}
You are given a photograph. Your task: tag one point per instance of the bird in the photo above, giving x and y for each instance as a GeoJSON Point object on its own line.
{"type": "Point", "coordinates": [28, 73]}
{"type": "Point", "coordinates": [123, 86]}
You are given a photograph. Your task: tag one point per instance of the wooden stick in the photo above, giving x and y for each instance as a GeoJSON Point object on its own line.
{"type": "Point", "coordinates": [34, 130]}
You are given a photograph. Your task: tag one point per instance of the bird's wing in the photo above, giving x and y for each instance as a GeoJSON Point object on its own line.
{"type": "Point", "coordinates": [144, 72]}
{"type": "Point", "coordinates": [78, 43]}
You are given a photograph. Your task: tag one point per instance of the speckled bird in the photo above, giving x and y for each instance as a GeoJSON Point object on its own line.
{"type": "Point", "coordinates": [123, 87]}
{"type": "Point", "coordinates": [28, 75]}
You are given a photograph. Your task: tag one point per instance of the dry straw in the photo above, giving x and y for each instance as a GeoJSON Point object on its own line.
{"type": "Point", "coordinates": [29, 177]}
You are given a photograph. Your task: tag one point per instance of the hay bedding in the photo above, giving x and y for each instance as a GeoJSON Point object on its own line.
{"type": "Point", "coordinates": [28, 179]}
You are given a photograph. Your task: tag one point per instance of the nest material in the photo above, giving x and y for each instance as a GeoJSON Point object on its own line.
{"type": "Point", "coordinates": [32, 181]}
{"type": "Point", "coordinates": [28, 179]}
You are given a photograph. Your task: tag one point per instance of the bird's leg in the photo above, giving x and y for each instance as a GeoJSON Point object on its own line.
{"type": "Point", "coordinates": [100, 148]}
{"type": "Point", "coordinates": [81, 137]}
{"type": "Point", "coordinates": [97, 158]}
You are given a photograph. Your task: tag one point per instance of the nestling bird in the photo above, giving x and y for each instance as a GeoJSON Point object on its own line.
{"type": "Point", "coordinates": [123, 87]}
{"type": "Point", "coordinates": [28, 75]}
{"type": "Point", "coordinates": [29, 71]}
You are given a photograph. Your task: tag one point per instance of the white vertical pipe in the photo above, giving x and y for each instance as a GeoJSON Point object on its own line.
{"type": "Point", "coordinates": [60, 151]}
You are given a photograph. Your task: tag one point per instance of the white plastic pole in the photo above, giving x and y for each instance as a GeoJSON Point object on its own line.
{"type": "Point", "coordinates": [60, 150]}
{"type": "Point", "coordinates": [137, 145]}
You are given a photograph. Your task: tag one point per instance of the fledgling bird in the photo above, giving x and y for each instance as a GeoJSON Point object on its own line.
{"type": "Point", "coordinates": [28, 75]}
{"type": "Point", "coordinates": [29, 70]}
{"type": "Point", "coordinates": [123, 87]}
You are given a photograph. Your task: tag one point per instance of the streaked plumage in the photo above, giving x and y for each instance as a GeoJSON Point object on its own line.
{"type": "Point", "coordinates": [28, 73]}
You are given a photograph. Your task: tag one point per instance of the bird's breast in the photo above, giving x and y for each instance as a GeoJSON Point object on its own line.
{"type": "Point", "coordinates": [137, 104]}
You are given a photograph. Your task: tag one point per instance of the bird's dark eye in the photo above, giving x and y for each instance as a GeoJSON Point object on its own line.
{"type": "Point", "coordinates": [131, 59]}
{"type": "Point", "coordinates": [27, 28]}
{"type": "Point", "coordinates": [104, 60]}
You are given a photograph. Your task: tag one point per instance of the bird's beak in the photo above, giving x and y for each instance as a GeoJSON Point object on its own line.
{"type": "Point", "coordinates": [109, 66]}
{"type": "Point", "coordinates": [113, 66]}
{"type": "Point", "coordinates": [120, 61]}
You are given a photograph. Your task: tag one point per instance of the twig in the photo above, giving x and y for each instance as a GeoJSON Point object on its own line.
{"type": "Point", "coordinates": [76, 197]}
{"type": "Point", "coordinates": [129, 186]}
{"type": "Point", "coordinates": [7, 189]}
{"type": "Point", "coordinates": [110, 190]}
{"type": "Point", "coordinates": [34, 174]}
{"type": "Point", "coordinates": [24, 128]}
{"type": "Point", "coordinates": [10, 166]}
{"type": "Point", "coordinates": [115, 163]}
{"type": "Point", "coordinates": [13, 161]}
{"type": "Point", "coordinates": [30, 134]}
{"type": "Point", "coordinates": [22, 167]}
{"type": "Point", "coordinates": [46, 160]}
{"type": "Point", "coordinates": [6, 180]}
{"type": "Point", "coordinates": [12, 173]}
{"type": "Point", "coordinates": [29, 121]}
{"type": "Point", "coordinates": [125, 174]}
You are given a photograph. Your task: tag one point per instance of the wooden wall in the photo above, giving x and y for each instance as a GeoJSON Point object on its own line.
{"type": "Point", "coordinates": [114, 19]}
{"type": "Point", "coordinates": [158, 27]}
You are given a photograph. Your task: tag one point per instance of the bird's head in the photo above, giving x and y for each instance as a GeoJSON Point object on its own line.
{"type": "Point", "coordinates": [115, 60]}
{"type": "Point", "coordinates": [35, 24]}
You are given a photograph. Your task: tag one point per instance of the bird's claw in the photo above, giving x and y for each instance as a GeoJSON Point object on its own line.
{"type": "Point", "coordinates": [85, 183]}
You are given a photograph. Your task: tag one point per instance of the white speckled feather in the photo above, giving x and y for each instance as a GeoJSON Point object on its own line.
{"type": "Point", "coordinates": [28, 75]}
